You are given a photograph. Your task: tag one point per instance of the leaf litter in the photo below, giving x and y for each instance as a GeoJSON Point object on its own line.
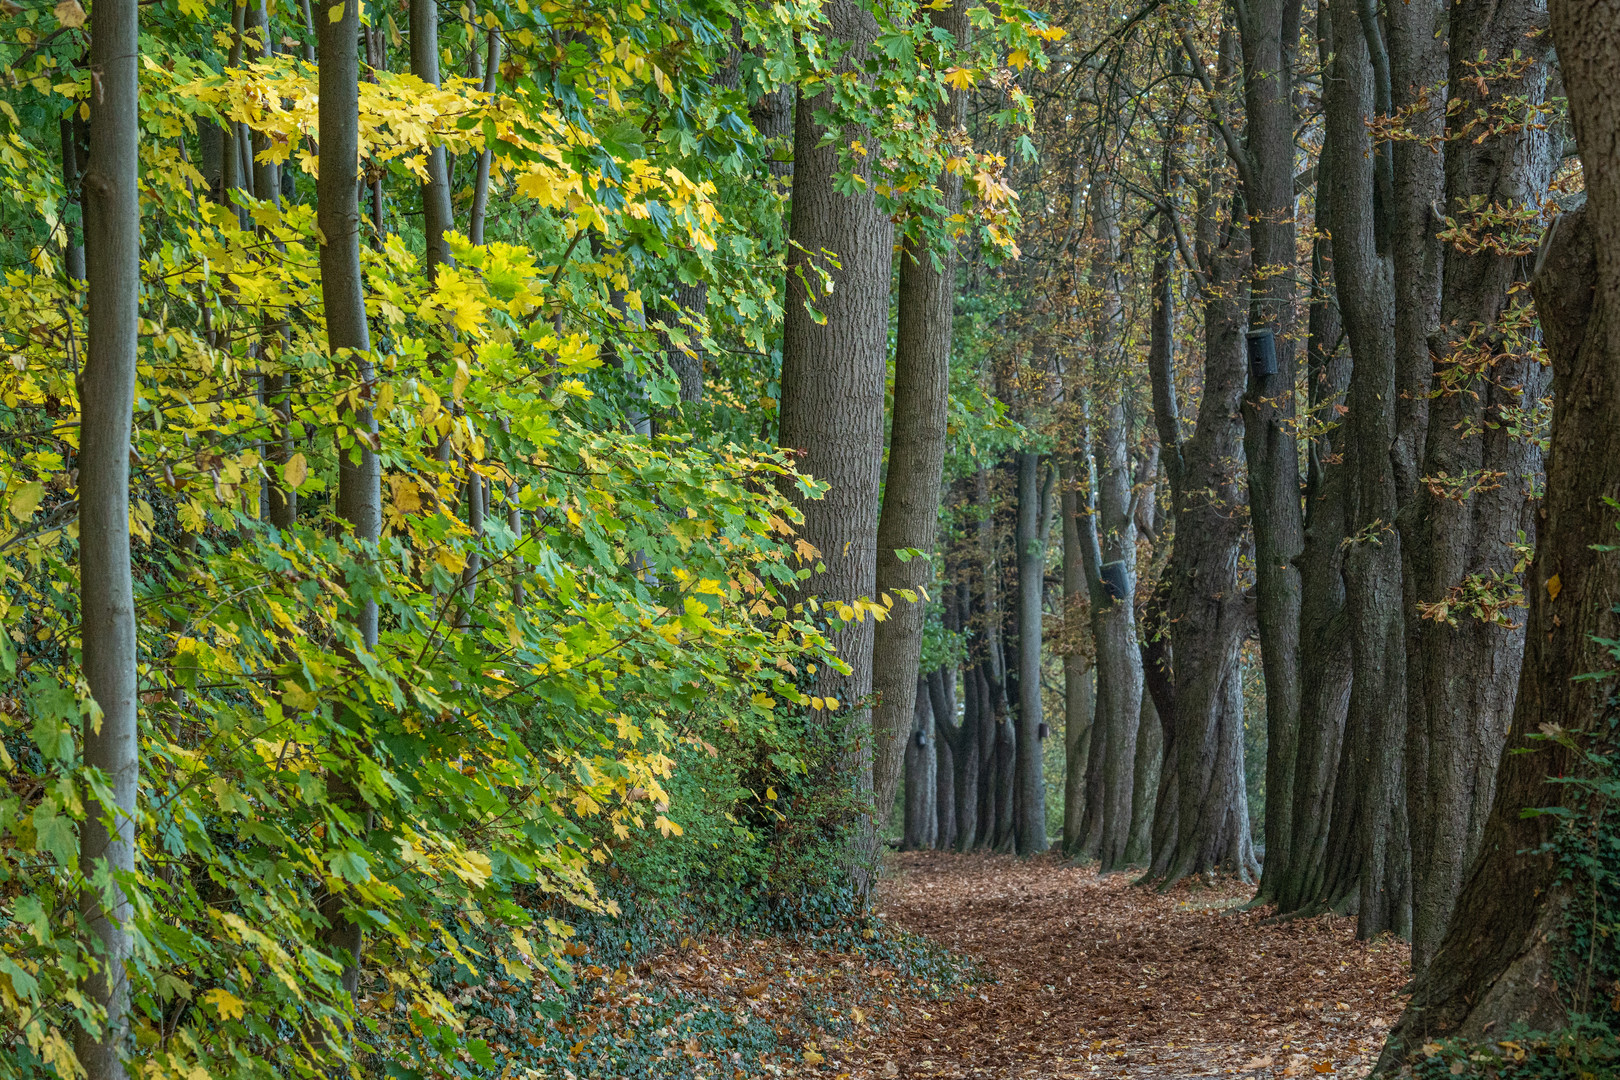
{"type": "Point", "coordinates": [1059, 973]}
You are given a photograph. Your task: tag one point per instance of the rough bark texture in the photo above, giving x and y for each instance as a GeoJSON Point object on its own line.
{"type": "Point", "coordinates": [107, 388]}
{"type": "Point", "coordinates": [911, 488]}
{"type": "Point", "coordinates": [1465, 670]}
{"type": "Point", "coordinates": [832, 393]}
{"type": "Point", "coordinates": [359, 497]}
{"type": "Point", "coordinates": [1270, 35]}
{"type": "Point", "coordinates": [1494, 965]}
{"type": "Point", "coordinates": [1145, 786]}
{"type": "Point", "coordinates": [436, 212]}
{"type": "Point", "coordinates": [1207, 617]}
{"type": "Point", "coordinates": [1297, 883]}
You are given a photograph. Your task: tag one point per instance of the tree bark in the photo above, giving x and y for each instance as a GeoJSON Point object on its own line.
{"type": "Point", "coordinates": [359, 497]}
{"type": "Point", "coordinates": [1376, 725]}
{"type": "Point", "coordinates": [1495, 965]}
{"type": "Point", "coordinates": [911, 488]}
{"type": "Point", "coordinates": [1079, 703]}
{"type": "Point", "coordinates": [941, 687]}
{"type": "Point", "coordinates": [1465, 668]}
{"type": "Point", "coordinates": [437, 218]}
{"type": "Point", "coordinates": [1029, 817]}
{"type": "Point", "coordinates": [479, 214]}
{"type": "Point", "coordinates": [833, 396]}
{"type": "Point", "coordinates": [112, 219]}
{"type": "Point", "coordinates": [1270, 35]}
{"type": "Point", "coordinates": [921, 823]}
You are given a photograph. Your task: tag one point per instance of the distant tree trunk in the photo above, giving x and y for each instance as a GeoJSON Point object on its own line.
{"type": "Point", "coordinates": [963, 741]}
{"type": "Point", "coordinates": [72, 235]}
{"type": "Point", "coordinates": [1324, 657]}
{"type": "Point", "coordinates": [911, 488]}
{"type": "Point", "coordinates": [107, 604]}
{"type": "Point", "coordinates": [833, 375]}
{"type": "Point", "coordinates": [1498, 962]}
{"type": "Point", "coordinates": [1029, 817]}
{"type": "Point", "coordinates": [1111, 768]}
{"type": "Point", "coordinates": [1079, 703]}
{"type": "Point", "coordinates": [1376, 725]}
{"type": "Point", "coordinates": [359, 496]}
{"type": "Point", "coordinates": [941, 688]}
{"type": "Point", "coordinates": [479, 214]}
{"type": "Point", "coordinates": [436, 213]}
{"type": "Point", "coordinates": [921, 822]}
{"type": "Point", "coordinates": [1270, 35]}
{"type": "Point", "coordinates": [1465, 667]}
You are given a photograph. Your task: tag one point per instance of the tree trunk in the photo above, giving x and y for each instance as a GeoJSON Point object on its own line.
{"type": "Point", "coordinates": [1497, 963]}
{"type": "Point", "coordinates": [921, 824]}
{"type": "Point", "coordinates": [1207, 622]}
{"type": "Point", "coordinates": [1112, 765]}
{"type": "Point", "coordinates": [1376, 725]}
{"type": "Point", "coordinates": [1030, 814]}
{"type": "Point", "coordinates": [911, 488]}
{"type": "Point", "coordinates": [1079, 704]}
{"type": "Point", "coordinates": [1294, 867]}
{"type": "Point", "coordinates": [479, 215]}
{"type": "Point", "coordinates": [1465, 666]}
{"type": "Point", "coordinates": [1145, 786]}
{"type": "Point", "coordinates": [112, 220]}
{"type": "Point", "coordinates": [436, 213]}
{"type": "Point", "coordinates": [941, 688]}
{"type": "Point", "coordinates": [833, 375]}
{"type": "Point", "coordinates": [359, 496]}
{"type": "Point", "coordinates": [1270, 34]}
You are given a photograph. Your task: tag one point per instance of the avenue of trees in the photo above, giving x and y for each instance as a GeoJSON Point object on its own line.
{"type": "Point", "coordinates": [467, 467]}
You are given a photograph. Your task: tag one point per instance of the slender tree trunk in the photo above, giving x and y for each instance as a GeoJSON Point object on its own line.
{"type": "Point", "coordinates": [1270, 34]}
{"type": "Point", "coordinates": [107, 395]}
{"type": "Point", "coordinates": [1079, 704]}
{"type": "Point", "coordinates": [1029, 817]}
{"type": "Point", "coordinates": [1376, 725]}
{"type": "Point", "coordinates": [963, 740]}
{"type": "Point", "coordinates": [940, 685]}
{"type": "Point", "coordinates": [833, 374]}
{"type": "Point", "coordinates": [911, 489]}
{"type": "Point", "coordinates": [1112, 765]}
{"type": "Point", "coordinates": [1481, 472]}
{"type": "Point", "coordinates": [359, 497]}
{"type": "Point", "coordinates": [479, 214]}
{"type": "Point", "coordinates": [921, 822]}
{"type": "Point", "coordinates": [1498, 962]}
{"type": "Point", "coordinates": [437, 218]}
{"type": "Point", "coordinates": [72, 236]}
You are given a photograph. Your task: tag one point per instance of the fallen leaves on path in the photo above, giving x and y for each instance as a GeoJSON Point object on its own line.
{"type": "Point", "coordinates": [1097, 977]}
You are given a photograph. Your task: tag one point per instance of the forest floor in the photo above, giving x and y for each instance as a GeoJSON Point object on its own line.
{"type": "Point", "coordinates": [1096, 977]}
{"type": "Point", "coordinates": [1067, 974]}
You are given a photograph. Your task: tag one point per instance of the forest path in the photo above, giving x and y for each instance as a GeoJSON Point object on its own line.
{"type": "Point", "coordinates": [1098, 978]}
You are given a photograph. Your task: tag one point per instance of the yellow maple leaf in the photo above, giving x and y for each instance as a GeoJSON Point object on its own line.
{"type": "Point", "coordinates": [227, 1004]}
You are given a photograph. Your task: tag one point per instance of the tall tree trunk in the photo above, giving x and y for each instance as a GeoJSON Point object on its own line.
{"type": "Point", "coordinates": [1112, 765]}
{"type": "Point", "coordinates": [1296, 882]}
{"type": "Point", "coordinates": [1376, 725]}
{"type": "Point", "coordinates": [1270, 35]}
{"type": "Point", "coordinates": [1207, 622]}
{"type": "Point", "coordinates": [963, 740]}
{"type": "Point", "coordinates": [436, 212]}
{"type": "Point", "coordinates": [1029, 816]}
{"type": "Point", "coordinates": [112, 219]}
{"type": "Point", "coordinates": [833, 374]}
{"type": "Point", "coordinates": [1145, 786]}
{"type": "Point", "coordinates": [911, 488]}
{"type": "Point", "coordinates": [1497, 963]}
{"type": "Point", "coordinates": [1480, 470]}
{"type": "Point", "coordinates": [348, 339]}
{"type": "Point", "coordinates": [72, 234]}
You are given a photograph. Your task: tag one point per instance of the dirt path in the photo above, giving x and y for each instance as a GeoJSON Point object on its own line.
{"type": "Point", "coordinates": [1097, 978]}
